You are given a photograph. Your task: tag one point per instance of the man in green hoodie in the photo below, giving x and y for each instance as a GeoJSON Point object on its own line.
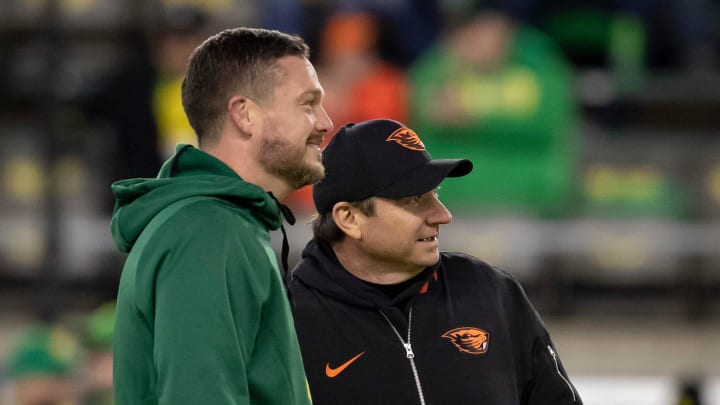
{"type": "Point", "coordinates": [202, 314]}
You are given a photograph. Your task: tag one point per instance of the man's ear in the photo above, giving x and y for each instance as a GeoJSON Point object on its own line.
{"type": "Point", "coordinates": [241, 111]}
{"type": "Point", "coordinates": [348, 219]}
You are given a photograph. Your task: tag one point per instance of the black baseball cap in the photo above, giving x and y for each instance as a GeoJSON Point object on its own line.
{"type": "Point", "coordinates": [382, 158]}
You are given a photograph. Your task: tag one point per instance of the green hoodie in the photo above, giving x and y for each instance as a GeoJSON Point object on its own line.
{"type": "Point", "coordinates": [202, 314]}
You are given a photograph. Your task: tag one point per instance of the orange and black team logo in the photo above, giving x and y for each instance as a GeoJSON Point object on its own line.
{"type": "Point", "coordinates": [469, 340]}
{"type": "Point", "coordinates": [406, 138]}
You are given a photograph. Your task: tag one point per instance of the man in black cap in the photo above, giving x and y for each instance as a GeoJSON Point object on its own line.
{"type": "Point", "coordinates": [384, 317]}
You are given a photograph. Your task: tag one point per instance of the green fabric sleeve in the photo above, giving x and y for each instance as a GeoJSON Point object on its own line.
{"type": "Point", "coordinates": [208, 310]}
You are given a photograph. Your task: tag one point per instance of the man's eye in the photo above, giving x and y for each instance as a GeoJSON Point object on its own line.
{"type": "Point", "coordinates": [414, 199]}
{"type": "Point", "coordinates": [311, 101]}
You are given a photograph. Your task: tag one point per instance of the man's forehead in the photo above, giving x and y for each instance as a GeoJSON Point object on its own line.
{"type": "Point", "coordinates": [291, 64]}
{"type": "Point", "coordinates": [296, 68]}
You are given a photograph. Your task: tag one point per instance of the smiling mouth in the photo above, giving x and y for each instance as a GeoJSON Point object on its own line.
{"type": "Point", "coordinates": [316, 140]}
{"type": "Point", "coordinates": [430, 239]}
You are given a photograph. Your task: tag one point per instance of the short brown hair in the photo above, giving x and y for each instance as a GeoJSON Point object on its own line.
{"type": "Point", "coordinates": [234, 60]}
{"type": "Point", "coordinates": [326, 230]}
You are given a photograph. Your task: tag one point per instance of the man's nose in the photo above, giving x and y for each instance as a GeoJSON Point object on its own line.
{"type": "Point", "coordinates": [439, 213]}
{"type": "Point", "coordinates": [324, 123]}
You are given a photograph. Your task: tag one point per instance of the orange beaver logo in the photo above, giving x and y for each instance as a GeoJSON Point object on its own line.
{"type": "Point", "coordinates": [406, 138]}
{"type": "Point", "coordinates": [469, 340]}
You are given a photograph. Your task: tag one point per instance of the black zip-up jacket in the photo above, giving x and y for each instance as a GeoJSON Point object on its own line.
{"type": "Point", "coordinates": [461, 332]}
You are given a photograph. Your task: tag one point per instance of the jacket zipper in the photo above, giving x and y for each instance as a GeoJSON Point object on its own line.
{"type": "Point", "coordinates": [408, 352]}
{"type": "Point", "coordinates": [557, 367]}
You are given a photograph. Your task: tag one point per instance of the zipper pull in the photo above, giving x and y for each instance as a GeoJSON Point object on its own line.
{"type": "Point", "coordinates": [557, 368]}
{"type": "Point", "coordinates": [552, 352]}
{"type": "Point", "coordinates": [408, 351]}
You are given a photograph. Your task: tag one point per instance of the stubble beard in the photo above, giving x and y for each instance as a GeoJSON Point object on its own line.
{"type": "Point", "coordinates": [280, 158]}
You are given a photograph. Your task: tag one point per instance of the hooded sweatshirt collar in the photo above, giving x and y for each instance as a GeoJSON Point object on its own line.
{"type": "Point", "coordinates": [190, 173]}
{"type": "Point", "coordinates": [321, 270]}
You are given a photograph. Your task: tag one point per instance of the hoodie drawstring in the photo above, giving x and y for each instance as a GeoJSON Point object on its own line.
{"type": "Point", "coordinates": [285, 252]}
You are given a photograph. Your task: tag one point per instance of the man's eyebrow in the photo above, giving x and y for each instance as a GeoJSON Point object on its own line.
{"type": "Point", "coordinates": [312, 93]}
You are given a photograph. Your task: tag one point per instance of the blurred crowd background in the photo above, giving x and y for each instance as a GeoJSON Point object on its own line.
{"type": "Point", "coordinates": [594, 127]}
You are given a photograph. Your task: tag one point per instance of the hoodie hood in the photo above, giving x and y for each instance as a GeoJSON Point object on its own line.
{"type": "Point", "coordinates": [190, 173]}
{"type": "Point", "coordinates": [320, 269]}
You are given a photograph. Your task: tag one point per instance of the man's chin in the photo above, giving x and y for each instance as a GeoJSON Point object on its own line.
{"type": "Point", "coordinates": [311, 175]}
{"type": "Point", "coordinates": [315, 170]}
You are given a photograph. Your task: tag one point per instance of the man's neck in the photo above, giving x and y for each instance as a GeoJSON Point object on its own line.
{"type": "Point", "coordinates": [375, 273]}
{"type": "Point", "coordinates": [249, 169]}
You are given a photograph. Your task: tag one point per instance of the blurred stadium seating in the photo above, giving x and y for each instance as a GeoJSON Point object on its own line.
{"type": "Point", "coordinates": [628, 278]}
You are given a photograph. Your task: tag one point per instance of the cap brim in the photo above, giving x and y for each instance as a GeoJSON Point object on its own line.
{"type": "Point", "coordinates": [425, 178]}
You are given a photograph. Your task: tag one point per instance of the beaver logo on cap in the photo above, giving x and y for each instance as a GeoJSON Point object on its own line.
{"type": "Point", "coordinates": [406, 138]}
